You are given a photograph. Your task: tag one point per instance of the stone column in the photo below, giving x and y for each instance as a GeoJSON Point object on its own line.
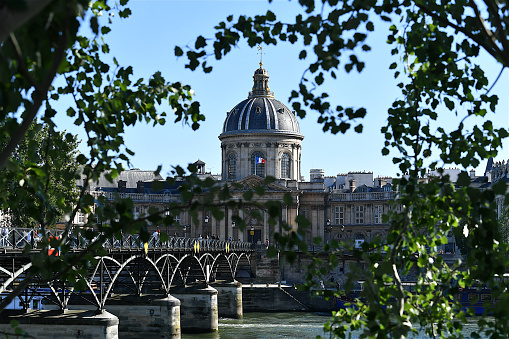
{"type": "Point", "coordinates": [240, 234]}
{"type": "Point", "coordinates": [146, 316]}
{"type": "Point", "coordinates": [139, 316]}
{"type": "Point", "coordinates": [49, 324]}
{"type": "Point", "coordinates": [229, 299]}
{"type": "Point", "coordinates": [198, 308]}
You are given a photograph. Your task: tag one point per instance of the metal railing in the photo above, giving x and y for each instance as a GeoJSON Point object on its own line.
{"type": "Point", "coordinates": [19, 238]}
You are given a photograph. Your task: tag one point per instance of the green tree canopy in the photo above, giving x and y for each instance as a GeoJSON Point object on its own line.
{"type": "Point", "coordinates": [40, 181]}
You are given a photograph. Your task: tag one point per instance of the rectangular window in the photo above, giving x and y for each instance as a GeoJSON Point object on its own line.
{"type": "Point", "coordinates": [359, 214]}
{"type": "Point", "coordinates": [177, 219]}
{"type": "Point", "coordinates": [339, 215]}
{"type": "Point", "coordinates": [378, 214]}
{"type": "Point", "coordinates": [81, 218]}
{"type": "Point", "coordinates": [304, 211]}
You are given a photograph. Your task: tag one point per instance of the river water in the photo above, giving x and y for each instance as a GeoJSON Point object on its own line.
{"type": "Point", "coordinates": [290, 325]}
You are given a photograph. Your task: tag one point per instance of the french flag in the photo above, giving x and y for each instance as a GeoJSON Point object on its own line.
{"type": "Point", "coordinates": [259, 160]}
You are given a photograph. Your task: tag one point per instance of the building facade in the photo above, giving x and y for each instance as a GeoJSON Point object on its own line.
{"type": "Point", "coordinates": [261, 137]}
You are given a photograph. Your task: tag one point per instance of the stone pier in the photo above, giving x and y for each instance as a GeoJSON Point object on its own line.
{"type": "Point", "coordinates": [198, 310]}
{"type": "Point", "coordinates": [148, 316]}
{"type": "Point", "coordinates": [49, 324]}
{"type": "Point", "coordinates": [229, 299]}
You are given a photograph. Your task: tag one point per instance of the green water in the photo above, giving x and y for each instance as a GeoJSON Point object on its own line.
{"type": "Point", "coordinates": [289, 325]}
{"type": "Point", "coordinates": [268, 325]}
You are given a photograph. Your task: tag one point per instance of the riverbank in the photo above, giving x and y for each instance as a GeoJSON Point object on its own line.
{"type": "Point", "coordinates": [282, 298]}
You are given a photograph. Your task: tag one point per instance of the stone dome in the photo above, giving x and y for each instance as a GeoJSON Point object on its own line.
{"type": "Point", "coordinates": [260, 112]}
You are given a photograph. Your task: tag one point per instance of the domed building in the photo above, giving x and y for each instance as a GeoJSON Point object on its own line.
{"type": "Point", "coordinates": [261, 136]}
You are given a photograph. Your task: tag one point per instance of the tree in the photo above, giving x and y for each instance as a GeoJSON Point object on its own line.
{"type": "Point", "coordinates": [436, 47]}
{"type": "Point", "coordinates": [437, 44]}
{"type": "Point", "coordinates": [40, 199]}
{"type": "Point", "coordinates": [62, 62]}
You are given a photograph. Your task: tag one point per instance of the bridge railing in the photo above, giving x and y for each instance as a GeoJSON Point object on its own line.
{"type": "Point", "coordinates": [18, 238]}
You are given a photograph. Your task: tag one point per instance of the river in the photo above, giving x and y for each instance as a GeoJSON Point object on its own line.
{"type": "Point", "coordinates": [290, 325]}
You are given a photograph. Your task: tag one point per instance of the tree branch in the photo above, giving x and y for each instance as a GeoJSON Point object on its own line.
{"type": "Point", "coordinates": [492, 50]}
{"type": "Point", "coordinates": [40, 96]}
{"type": "Point", "coordinates": [500, 31]}
{"type": "Point", "coordinates": [10, 19]}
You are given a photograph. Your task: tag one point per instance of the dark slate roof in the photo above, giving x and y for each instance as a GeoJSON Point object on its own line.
{"type": "Point", "coordinates": [131, 177]}
{"type": "Point", "coordinates": [260, 112]}
{"type": "Point", "coordinates": [489, 165]}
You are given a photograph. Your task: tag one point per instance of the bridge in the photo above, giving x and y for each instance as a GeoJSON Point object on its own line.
{"type": "Point", "coordinates": [130, 268]}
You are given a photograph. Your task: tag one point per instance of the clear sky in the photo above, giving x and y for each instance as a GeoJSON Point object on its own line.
{"type": "Point", "coordinates": [147, 39]}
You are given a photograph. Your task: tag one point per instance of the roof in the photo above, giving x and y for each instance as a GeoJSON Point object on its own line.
{"type": "Point", "coordinates": [131, 177]}
{"type": "Point", "coordinates": [260, 112]}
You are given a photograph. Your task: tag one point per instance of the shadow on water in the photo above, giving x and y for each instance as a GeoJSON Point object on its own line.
{"type": "Point", "coordinates": [268, 325]}
{"type": "Point", "coordinates": [291, 325]}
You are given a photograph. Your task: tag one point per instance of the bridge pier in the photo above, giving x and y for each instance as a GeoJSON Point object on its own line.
{"type": "Point", "coordinates": [146, 316]}
{"type": "Point", "coordinates": [229, 299]}
{"type": "Point", "coordinates": [198, 310]}
{"type": "Point", "coordinates": [49, 324]}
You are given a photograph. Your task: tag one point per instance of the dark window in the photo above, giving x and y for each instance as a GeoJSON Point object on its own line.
{"type": "Point", "coordinates": [232, 166]}
{"type": "Point", "coordinates": [285, 166]}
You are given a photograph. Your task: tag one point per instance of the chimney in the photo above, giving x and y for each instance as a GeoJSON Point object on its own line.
{"type": "Point", "coordinates": [140, 187]}
{"type": "Point", "coordinates": [352, 185]}
{"type": "Point", "coordinates": [122, 184]}
{"type": "Point", "coordinates": [472, 173]}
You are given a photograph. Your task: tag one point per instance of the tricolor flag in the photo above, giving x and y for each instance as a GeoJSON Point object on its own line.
{"type": "Point", "coordinates": [259, 160]}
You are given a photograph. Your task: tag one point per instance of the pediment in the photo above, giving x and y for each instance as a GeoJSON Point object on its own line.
{"type": "Point", "coordinates": [252, 181]}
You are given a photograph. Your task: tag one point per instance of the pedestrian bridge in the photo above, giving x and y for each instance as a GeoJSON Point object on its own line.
{"type": "Point", "coordinates": [130, 266]}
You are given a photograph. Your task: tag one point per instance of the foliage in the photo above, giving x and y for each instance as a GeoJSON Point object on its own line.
{"type": "Point", "coordinates": [436, 48]}
{"type": "Point", "coordinates": [68, 60]}
{"type": "Point", "coordinates": [40, 199]}
{"type": "Point", "coordinates": [436, 45]}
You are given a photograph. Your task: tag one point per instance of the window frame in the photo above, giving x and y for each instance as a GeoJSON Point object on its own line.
{"type": "Point", "coordinates": [359, 214]}
{"type": "Point", "coordinates": [339, 215]}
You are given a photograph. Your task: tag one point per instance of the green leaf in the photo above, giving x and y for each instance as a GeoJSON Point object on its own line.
{"type": "Point", "coordinates": [200, 43]}
{"type": "Point", "coordinates": [287, 199]}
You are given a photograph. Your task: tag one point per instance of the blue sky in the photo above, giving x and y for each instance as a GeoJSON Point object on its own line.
{"type": "Point", "coordinates": [147, 39]}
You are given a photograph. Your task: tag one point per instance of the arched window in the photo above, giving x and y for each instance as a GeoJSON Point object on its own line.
{"type": "Point", "coordinates": [285, 166]}
{"type": "Point", "coordinates": [258, 164]}
{"type": "Point", "coordinates": [232, 166]}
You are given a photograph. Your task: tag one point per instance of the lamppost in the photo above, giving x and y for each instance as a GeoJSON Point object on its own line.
{"type": "Point", "coordinates": [252, 235]}
{"type": "Point", "coordinates": [328, 229]}
{"type": "Point", "coordinates": [206, 225]}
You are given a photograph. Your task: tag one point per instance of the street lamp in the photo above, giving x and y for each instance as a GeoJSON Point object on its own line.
{"type": "Point", "coordinates": [328, 227]}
